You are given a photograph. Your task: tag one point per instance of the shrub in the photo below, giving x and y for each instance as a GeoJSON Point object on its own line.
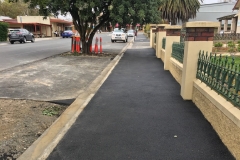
{"type": "Point", "coordinates": [218, 44]}
{"type": "Point", "coordinates": [231, 46]}
{"type": "Point", "coordinates": [3, 31]}
{"type": "Point", "coordinates": [238, 48]}
{"type": "Point", "coordinates": [148, 27]}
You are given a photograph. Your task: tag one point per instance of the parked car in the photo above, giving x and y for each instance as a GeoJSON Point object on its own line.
{"type": "Point", "coordinates": [119, 35]}
{"type": "Point", "coordinates": [130, 33]}
{"type": "Point", "coordinates": [67, 34]}
{"type": "Point", "coordinates": [21, 35]}
{"type": "Point", "coordinates": [10, 31]}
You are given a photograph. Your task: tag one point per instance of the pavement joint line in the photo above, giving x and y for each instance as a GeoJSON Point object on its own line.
{"type": "Point", "coordinates": [44, 145]}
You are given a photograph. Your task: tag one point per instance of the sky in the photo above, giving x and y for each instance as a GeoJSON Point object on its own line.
{"type": "Point", "coordinates": [209, 1]}
{"type": "Point", "coordinates": [214, 1]}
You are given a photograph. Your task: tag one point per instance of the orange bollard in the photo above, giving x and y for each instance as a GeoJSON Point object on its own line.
{"type": "Point", "coordinates": [95, 48]}
{"type": "Point", "coordinates": [78, 44]}
{"type": "Point", "coordinates": [96, 51]}
{"type": "Point", "coordinates": [73, 44]}
{"type": "Point", "coordinates": [100, 44]}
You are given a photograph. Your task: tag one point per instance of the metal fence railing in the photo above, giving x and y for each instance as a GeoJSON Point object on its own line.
{"type": "Point", "coordinates": [226, 36]}
{"type": "Point", "coordinates": [163, 42]}
{"type": "Point", "coordinates": [178, 51]}
{"type": "Point", "coordinates": [220, 74]}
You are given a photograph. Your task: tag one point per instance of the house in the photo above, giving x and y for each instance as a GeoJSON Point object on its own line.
{"type": "Point", "coordinates": [210, 12]}
{"type": "Point", "coordinates": [236, 7]}
{"type": "Point", "coordinates": [218, 12]}
{"type": "Point", "coordinates": [234, 27]}
{"type": "Point", "coordinates": [40, 26]}
{"type": "Point", "coordinates": [4, 17]}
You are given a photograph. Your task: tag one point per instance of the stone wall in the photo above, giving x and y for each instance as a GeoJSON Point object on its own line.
{"type": "Point", "coordinates": [222, 120]}
{"type": "Point", "coordinates": [176, 70]}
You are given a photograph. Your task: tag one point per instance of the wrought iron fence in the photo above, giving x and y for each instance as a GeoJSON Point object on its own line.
{"type": "Point", "coordinates": [178, 51]}
{"type": "Point", "coordinates": [163, 42]}
{"type": "Point", "coordinates": [226, 36]}
{"type": "Point", "coordinates": [220, 74]}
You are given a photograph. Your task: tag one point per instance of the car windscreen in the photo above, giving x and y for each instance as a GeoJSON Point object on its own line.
{"type": "Point", "coordinates": [130, 31]}
{"type": "Point", "coordinates": [118, 31]}
{"type": "Point", "coordinates": [15, 31]}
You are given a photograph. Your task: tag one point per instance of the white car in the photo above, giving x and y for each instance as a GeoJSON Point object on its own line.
{"type": "Point", "coordinates": [119, 35]}
{"type": "Point", "coordinates": [131, 33]}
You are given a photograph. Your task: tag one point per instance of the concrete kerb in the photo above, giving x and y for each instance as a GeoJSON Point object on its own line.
{"type": "Point", "coordinates": [45, 144]}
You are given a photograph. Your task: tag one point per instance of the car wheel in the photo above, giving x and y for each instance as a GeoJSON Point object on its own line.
{"type": "Point", "coordinates": [63, 37]}
{"type": "Point", "coordinates": [127, 40]}
{"type": "Point", "coordinates": [33, 40]}
{"type": "Point", "coordinates": [20, 41]}
{"type": "Point", "coordinates": [112, 41]}
{"type": "Point", "coordinates": [11, 42]}
{"type": "Point", "coordinates": [24, 40]}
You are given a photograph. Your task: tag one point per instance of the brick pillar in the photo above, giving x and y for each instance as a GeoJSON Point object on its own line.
{"type": "Point", "coordinates": [152, 36]}
{"type": "Point", "coordinates": [199, 36]}
{"type": "Point", "coordinates": [154, 31]}
{"type": "Point", "coordinates": [161, 33]}
{"type": "Point", "coordinates": [172, 35]}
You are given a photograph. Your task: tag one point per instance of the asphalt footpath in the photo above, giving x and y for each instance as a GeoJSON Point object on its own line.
{"type": "Point", "coordinates": [138, 114]}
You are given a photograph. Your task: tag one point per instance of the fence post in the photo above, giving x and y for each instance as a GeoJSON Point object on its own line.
{"type": "Point", "coordinates": [152, 36]}
{"type": "Point", "coordinates": [172, 35]}
{"type": "Point", "coordinates": [199, 36]}
{"type": "Point", "coordinates": [160, 34]}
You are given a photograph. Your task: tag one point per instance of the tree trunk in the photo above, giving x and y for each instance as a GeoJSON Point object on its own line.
{"type": "Point", "coordinates": [86, 44]}
{"type": "Point", "coordinates": [173, 22]}
{"type": "Point", "coordinates": [86, 47]}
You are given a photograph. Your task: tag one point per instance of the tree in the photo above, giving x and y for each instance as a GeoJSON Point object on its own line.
{"type": "Point", "coordinates": [135, 11]}
{"type": "Point", "coordinates": [89, 15]}
{"type": "Point", "coordinates": [14, 9]}
{"type": "Point", "coordinates": [179, 10]}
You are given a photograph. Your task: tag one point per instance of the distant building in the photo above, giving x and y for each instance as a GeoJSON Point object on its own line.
{"type": "Point", "coordinates": [4, 17]}
{"type": "Point", "coordinates": [38, 25]}
{"type": "Point", "coordinates": [210, 12]}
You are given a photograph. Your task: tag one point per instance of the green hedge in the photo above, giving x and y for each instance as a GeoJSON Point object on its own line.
{"type": "Point", "coordinates": [3, 31]}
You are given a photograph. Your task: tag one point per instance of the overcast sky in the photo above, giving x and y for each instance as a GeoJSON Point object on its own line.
{"type": "Point", "coordinates": [210, 1]}
{"type": "Point", "coordinates": [214, 1]}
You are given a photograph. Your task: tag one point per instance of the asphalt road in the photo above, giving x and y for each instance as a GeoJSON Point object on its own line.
{"type": "Point", "coordinates": [18, 54]}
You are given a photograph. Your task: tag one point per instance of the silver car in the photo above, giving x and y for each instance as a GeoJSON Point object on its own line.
{"type": "Point", "coordinates": [130, 33]}
{"type": "Point", "coordinates": [119, 35]}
